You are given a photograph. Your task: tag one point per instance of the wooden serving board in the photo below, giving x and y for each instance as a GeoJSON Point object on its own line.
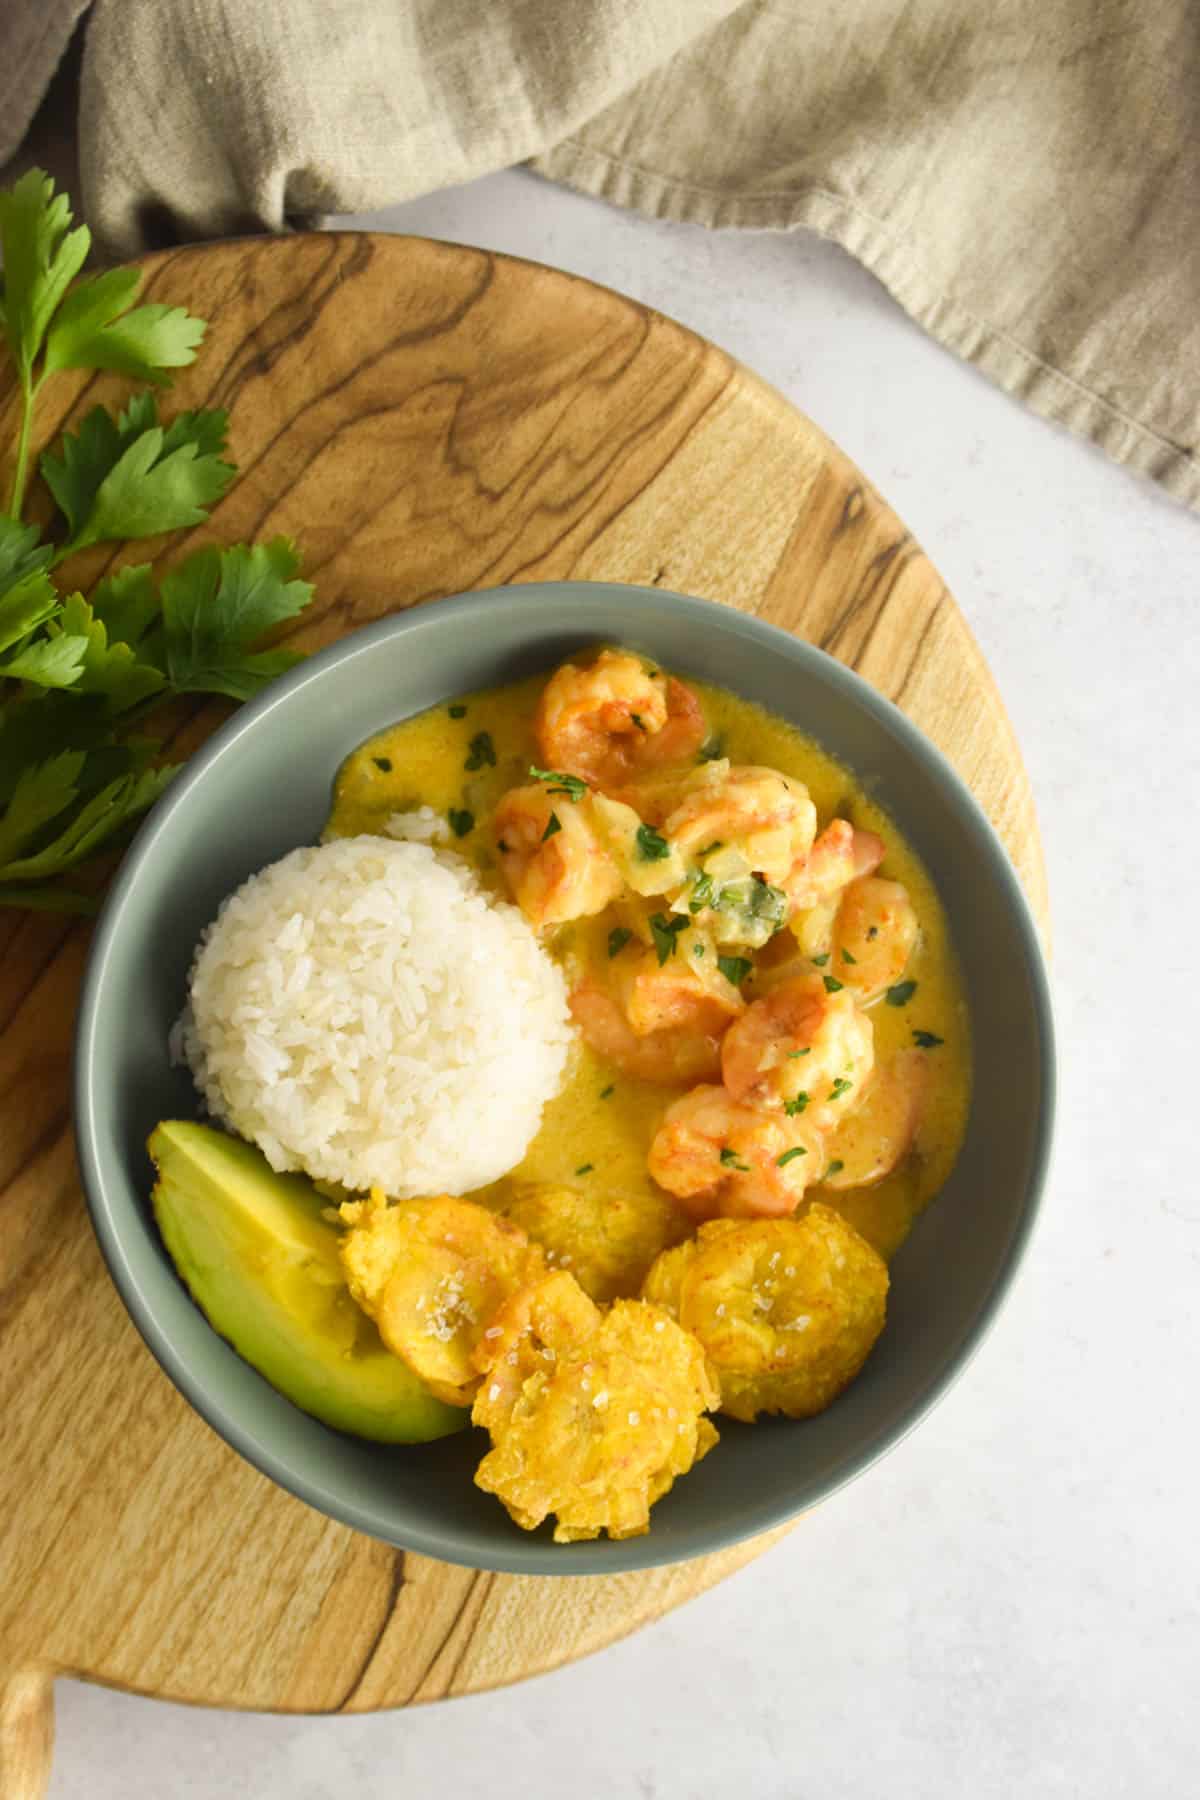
{"type": "Point", "coordinates": [424, 419]}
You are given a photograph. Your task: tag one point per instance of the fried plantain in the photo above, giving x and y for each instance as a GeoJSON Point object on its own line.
{"type": "Point", "coordinates": [787, 1310]}
{"type": "Point", "coordinates": [593, 1414]}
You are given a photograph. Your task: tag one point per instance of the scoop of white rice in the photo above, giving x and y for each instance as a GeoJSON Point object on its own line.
{"type": "Point", "coordinates": [365, 1012]}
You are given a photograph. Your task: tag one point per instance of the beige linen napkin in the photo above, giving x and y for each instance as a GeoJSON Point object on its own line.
{"type": "Point", "coordinates": [1023, 176]}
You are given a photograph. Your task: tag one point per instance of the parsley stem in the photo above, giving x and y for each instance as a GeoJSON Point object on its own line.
{"type": "Point", "coordinates": [16, 498]}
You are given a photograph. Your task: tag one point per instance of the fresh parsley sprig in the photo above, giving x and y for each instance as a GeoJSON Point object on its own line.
{"type": "Point", "coordinates": [77, 672]}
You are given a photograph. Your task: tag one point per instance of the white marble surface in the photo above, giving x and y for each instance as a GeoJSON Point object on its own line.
{"type": "Point", "coordinates": [1008, 1605]}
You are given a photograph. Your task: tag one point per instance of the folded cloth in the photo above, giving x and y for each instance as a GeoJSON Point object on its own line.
{"type": "Point", "coordinates": [1023, 177]}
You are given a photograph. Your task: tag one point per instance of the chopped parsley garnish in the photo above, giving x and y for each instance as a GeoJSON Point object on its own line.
{"type": "Point", "coordinates": [872, 932]}
{"type": "Point", "coordinates": [585, 1168]}
{"type": "Point", "coordinates": [570, 785]}
{"type": "Point", "coordinates": [901, 993]}
{"type": "Point", "coordinates": [384, 763]}
{"type": "Point", "coordinates": [841, 1086]}
{"type": "Point", "coordinates": [835, 1168]}
{"type": "Point", "coordinates": [457, 712]}
{"type": "Point", "coordinates": [767, 902]}
{"type": "Point", "coordinates": [652, 846]}
{"type": "Point", "coordinates": [708, 849]}
{"type": "Point", "coordinates": [482, 751]}
{"type": "Point", "coordinates": [846, 957]}
{"type": "Point", "coordinates": [792, 1107]}
{"type": "Point", "coordinates": [807, 1051]}
{"type": "Point", "coordinates": [698, 950]}
{"type": "Point", "coordinates": [618, 937]}
{"type": "Point", "coordinates": [832, 984]}
{"type": "Point", "coordinates": [927, 1040]}
{"type": "Point", "coordinates": [735, 968]}
{"type": "Point", "coordinates": [781, 1162]}
{"type": "Point", "coordinates": [664, 932]}
{"type": "Point", "coordinates": [461, 821]}
{"type": "Point", "coordinates": [711, 750]}
{"type": "Point", "coordinates": [729, 1158]}
{"type": "Point", "coordinates": [820, 961]}
{"type": "Point", "coordinates": [553, 824]}
{"type": "Point", "coordinates": [702, 894]}
{"type": "Point", "coordinates": [502, 846]}
{"type": "Point", "coordinates": [638, 721]}
{"type": "Point", "coordinates": [608, 1092]}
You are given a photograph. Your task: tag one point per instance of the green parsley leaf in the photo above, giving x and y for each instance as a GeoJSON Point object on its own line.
{"type": "Point", "coordinates": [618, 937]}
{"type": "Point", "coordinates": [792, 1107]}
{"type": "Point", "coordinates": [708, 849]}
{"type": "Point", "coordinates": [840, 1086]}
{"type": "Point", "coordinates": [461, 822]}
{"type": "Point", "coordinates": [735, 968]}
{"type": "Point", "coordinates": [41, 259]}
{"type": "Point", "coordinates": [457, 712]}
{"type": "Point", "coordinates": [767, 902]}
{"type": "Point", "coordinates": [570, 785]}
{"type": "Point", "coordinates": [553, 824]}
{"type": "Point", "coordinates": [664, 932]}
{"type": "Point", "coordinates": [127, 605]}
{"type": "Point", "coordinates": [218, 602]}
{"type": "Point", "coordinates": [927, 1040]}
{"type": "Point", "coordinates": [835, 1168]}
{"type": "Point", "coordinates": [383, 764]}
{"type": "Point", "coordinates": [49, 663]}
{"type": "Point", "coordinates": [711, 750]}
{"type": "Point", "coordinates": [846, 957]}
{"type": "Point", "coordinates": [42, 792]}
{"type": "Point", "coordinates": [807, 1051]}
{"type": "Point", "coordinates": [27, 596]}
{"type": "Point", "coordinates": [651, 846]}
{"type": "Point", "coordinates": [820, 961]}
{"type": "Point", "coordinates": [95, 329]}
{"type": "Point", "coordinates": [702, 894]}
{"type": "Point", "coordinates": [585, 1168]}
{"type": "Point", "coordinates": [832, 984]}
{"type": "Point", "coordinates": [901, 993]}
{"type": "Point", "coordinates": [781, 1162]}
{"type": "Point", "coordinates": [608, 1092]}
{"type": "Point", "coordinates": [729, 1158]}
{"type": "Point", "coordinates": [130, 477]}
{"type": "Point", "coordinates": [103, 815]}
{"type": "Point", "coordinates": [110, 669]}
{"type": "Point", "coordinates": [481, 752]}
{"type": "Point", "coordinates": [697, 949]}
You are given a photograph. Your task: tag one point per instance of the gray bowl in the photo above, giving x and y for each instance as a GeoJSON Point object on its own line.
{"type": "Point", "coordinates": [262, 785]}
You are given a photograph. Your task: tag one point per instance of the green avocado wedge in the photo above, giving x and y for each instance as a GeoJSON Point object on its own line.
{"type": "Point", "coordinates": [261, 1262]}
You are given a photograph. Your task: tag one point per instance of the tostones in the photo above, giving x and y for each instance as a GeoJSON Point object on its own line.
{"type": "Point", "coordinates": [787, 1310]}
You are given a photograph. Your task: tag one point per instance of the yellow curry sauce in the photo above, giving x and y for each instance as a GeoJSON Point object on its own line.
{"type": "Point", "coordinates": [600, 1126]}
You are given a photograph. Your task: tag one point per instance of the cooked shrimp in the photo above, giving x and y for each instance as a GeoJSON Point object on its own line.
{"type": "Point", "coordinates": [552, 856]}
{"type": "Point", "coordinates": [874, 935]}
{"type": "Point", "coordinates": [722, 1159]}
{"type": "Point", "coordinates": [675, 1054]}
{"type": "Point", "coordinates": [800, 1048]}
{"type": "Point", "coordinates": [876, 1137]}
{"type": "Point", "coordinates": [616, 717]}
{"type": "Point", "coordinates": [686, 987]}
{"type": "Point", "coordinates": [839, 855]}
{"type": "Point", "coordinates": [766, 817]}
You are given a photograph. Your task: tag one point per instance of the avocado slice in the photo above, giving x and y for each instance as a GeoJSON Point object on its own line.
{"type": "Point", "coordinates": [262, 1264]}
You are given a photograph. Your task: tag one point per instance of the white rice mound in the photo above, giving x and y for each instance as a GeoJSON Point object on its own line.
{"type": "Point", "coordinates": [366, 1013]}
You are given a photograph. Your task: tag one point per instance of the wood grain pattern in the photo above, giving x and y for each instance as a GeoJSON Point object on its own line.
{"type": "Point", "coordinates": [424, 419]}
